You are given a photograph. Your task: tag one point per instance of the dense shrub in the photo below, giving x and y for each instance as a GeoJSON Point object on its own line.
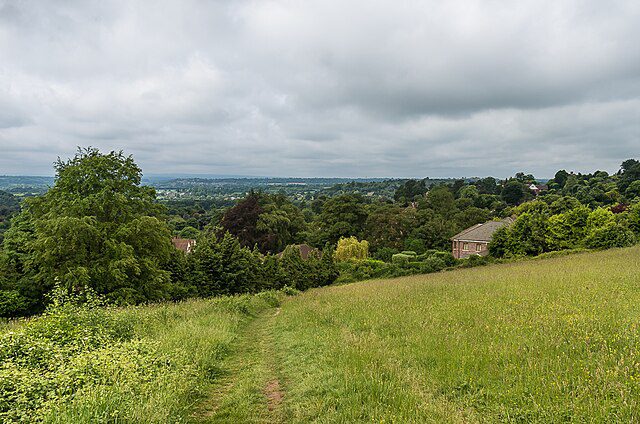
{"type": "Point", "coordinates": [351, 271]}
{"type": "Point", "coordinates": [535, 233]}
{"type": "Point", "coordinates": [609, 235]}
{"type": "Point", "coordinates": [404, 257]}
{"type": "Point", "coordinates": [53, 356]}
{"type": "Point", "coordinates": [12, 303]}
{"type": "Point", "coordinates": [385, 254]}
{"type": "Point", "coordinates": [83, 362]}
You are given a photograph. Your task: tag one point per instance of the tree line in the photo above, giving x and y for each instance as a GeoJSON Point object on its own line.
{"type": "Point", "coordinates": [99, 227]}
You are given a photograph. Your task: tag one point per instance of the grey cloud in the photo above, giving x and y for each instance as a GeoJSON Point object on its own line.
{"type": "Point", "coordinates": [322, 88]}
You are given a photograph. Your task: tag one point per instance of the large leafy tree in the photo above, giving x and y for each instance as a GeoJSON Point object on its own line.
{"type": "Point", "coordinates": [629, 172]}
{"type": "Point", "coordinates": [270, 222]}
{"type": "Point", "coordinates": [97, 227]}
{"type": "Point", "coordinates": [389, 225]}
{"type": "Point", "coordinates": [342, 216]}
{"type": "Point", "coordinates": [514, 192]}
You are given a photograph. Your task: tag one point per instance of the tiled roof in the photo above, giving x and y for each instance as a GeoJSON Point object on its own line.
{"type": "Point", "coordinates": [183, 244]}
{"type": "Point", "coordinates": [482, 232]}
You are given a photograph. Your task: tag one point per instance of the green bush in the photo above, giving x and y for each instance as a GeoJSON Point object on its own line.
{"type": "Point", "coordinates": [84, 362]}
{"type": "Point", "coordinates": [404, 258]}
{"type": "Point", "coordinates": [475, 260]}
{"type": "Point", "coordinates": [55, 355]}
{"type": "Point", "coordinates": [609, 235]}
{"type": "Point", "coordinates": [385, 254]}
{"type": "Point", "coordinates": [12, 303]}
{"type": "Point", "coordinates": [446, 257]}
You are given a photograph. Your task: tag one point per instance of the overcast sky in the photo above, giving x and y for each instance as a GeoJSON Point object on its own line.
{"type": "Point", "coordinates": [322, 88]}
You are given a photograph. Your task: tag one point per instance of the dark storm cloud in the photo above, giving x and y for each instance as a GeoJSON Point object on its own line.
{"type": "Point", "coordinates": [325, 88]}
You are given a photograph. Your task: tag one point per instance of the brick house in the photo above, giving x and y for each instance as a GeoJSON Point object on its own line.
{"type": "Point", "coordinates": [475, 240]}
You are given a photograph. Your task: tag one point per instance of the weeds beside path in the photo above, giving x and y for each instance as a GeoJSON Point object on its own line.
{"type": "Point", "coordinates": [250, 390]}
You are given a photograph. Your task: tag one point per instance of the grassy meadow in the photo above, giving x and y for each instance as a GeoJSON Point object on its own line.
{"type": "Point", "coordinates": [553, 340]}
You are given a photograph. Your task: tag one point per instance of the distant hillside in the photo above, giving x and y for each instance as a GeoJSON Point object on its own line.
{"type": "Point", "coordinates": [24, 184]}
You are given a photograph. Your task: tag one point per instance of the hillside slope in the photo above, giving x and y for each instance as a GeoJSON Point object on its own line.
{"type": "Point", "coordinates": [547, 341]}
{"type": "Point", "coordinates": [552, 340]}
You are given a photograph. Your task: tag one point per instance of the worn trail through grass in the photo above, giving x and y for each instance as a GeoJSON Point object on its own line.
{"type": "Point", "coordinates": [553, 340]}
{"type": "Point", "coordinates": [250, 390]}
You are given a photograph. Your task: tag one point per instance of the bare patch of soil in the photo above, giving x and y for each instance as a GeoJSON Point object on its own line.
{"type": "Point", "coordinates": [274, 394]}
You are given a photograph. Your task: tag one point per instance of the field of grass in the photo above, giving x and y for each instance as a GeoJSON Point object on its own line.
{"type": "Point", "coordinates": [553, 340]}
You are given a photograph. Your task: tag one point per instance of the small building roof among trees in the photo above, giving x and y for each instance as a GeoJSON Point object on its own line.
{"type": "Point", "coordinates": [481, 232]}
{"type": "Point", "coordinates": [305, 251]}
{"type": "Point", "coordinates": [186, 245]}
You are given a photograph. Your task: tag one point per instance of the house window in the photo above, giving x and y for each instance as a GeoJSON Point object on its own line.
{"type": "Point", "coordinates": [465, 247]}
{"type": "Point", "coordinates": [478, 247]}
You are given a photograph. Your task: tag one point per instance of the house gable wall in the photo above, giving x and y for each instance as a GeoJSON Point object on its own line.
{"type": "Point", "coordinates": [463, 249]}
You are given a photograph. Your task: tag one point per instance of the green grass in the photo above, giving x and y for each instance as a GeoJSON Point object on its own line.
{"type": "Point", "coordinates": [555, 340]}
{"type": "Point", "coordinates": [552, 340]}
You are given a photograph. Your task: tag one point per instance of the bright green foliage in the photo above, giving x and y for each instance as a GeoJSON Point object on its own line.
{"type": "Point", "coordinates": [500, 245]}
{"type": "Point", "coordinates": [634, 219]}
{"type": "Point", "coordinates": [609, 235]}
{"type": "Point", "coordinates": [351, 249]}
{"type": "Point", "coordinates": [405, 263]}
{"type": "Point", "coordinates": [563, 204]}
{"type": "Point", "coordinates": [83, 363]}
{"type": "Point", "coordinates": [605, 231]}
{"type": "Point", "coordinates": [97, 226]}
{"type": "Point", "coordinates": [567, 230]}
{"type": "Point", "coordinates": [599, 218]}
{"type": "Point", "coordinates": [404, 257]}
{"type": "Point", "coordinates": [534, 233]}
{"type": "Point", "coordinates": [189, 232]}
{"type": "Point", "coordinates": [528, 234]}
